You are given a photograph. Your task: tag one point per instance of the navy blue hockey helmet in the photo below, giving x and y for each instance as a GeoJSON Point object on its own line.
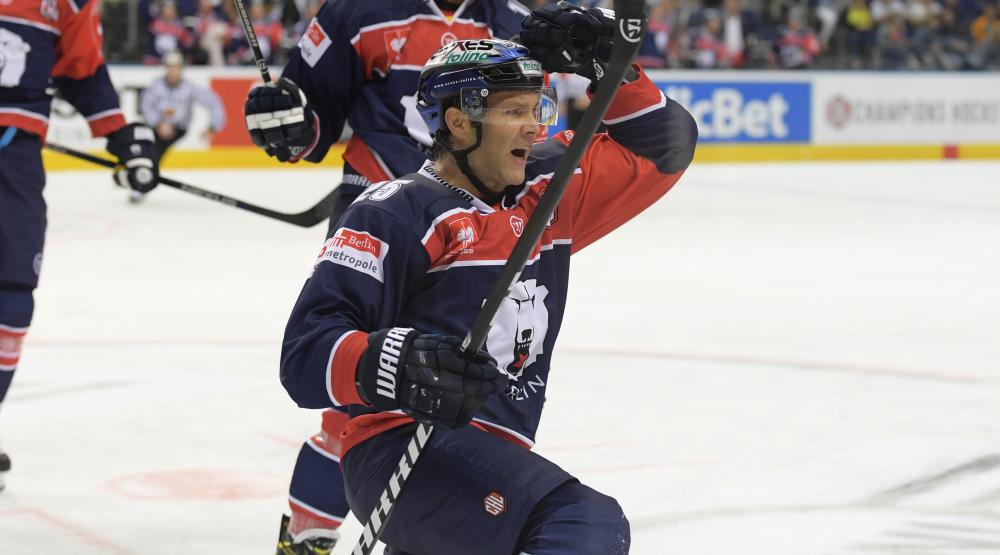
{"type": "Point", "coordinates": [469, 70]}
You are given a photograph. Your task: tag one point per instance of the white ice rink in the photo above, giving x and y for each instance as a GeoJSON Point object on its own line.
{"type": "Point", "coordinates": [773, 360]}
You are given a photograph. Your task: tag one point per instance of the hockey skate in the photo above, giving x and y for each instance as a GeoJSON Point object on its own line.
{"type": "Point", "coordinates": [309, 542]}
{"type": "Point", "coordinates": [4, 467]}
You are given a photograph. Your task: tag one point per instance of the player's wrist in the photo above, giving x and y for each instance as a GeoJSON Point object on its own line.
{"type": "Point", "coordinates": [378, 378]}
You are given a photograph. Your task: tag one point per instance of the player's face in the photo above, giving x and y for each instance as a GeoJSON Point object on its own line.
{"type": "Point", "coordinates": [501, 160]}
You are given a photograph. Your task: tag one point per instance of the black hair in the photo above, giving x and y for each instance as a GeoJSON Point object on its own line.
{"type": "Point", "coordinates": [443, 134]}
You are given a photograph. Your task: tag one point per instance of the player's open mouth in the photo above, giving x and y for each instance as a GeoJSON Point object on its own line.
{"type": "Point", "coordinates": [520, 153]}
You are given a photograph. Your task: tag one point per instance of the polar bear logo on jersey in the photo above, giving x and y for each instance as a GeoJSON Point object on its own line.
{"type": "Point", "coordinates": [518, 332]}
{"type": "Point", "coordinates": [13, 58]}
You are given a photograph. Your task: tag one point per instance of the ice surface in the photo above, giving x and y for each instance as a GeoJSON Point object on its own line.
{"type": "Point", "coordinates": [775, 359]}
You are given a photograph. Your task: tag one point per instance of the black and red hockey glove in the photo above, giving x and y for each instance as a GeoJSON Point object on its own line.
{"type": "Point", "coordinates": [426, 377]}
{"type": "Point", "coordinates": [279, 121]}
{"type": "Point", "coordinates": [135, 147]}
{"type": "Point", "coordinates": [569, 39]}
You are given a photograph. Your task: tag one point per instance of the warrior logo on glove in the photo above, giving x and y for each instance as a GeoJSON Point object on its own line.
{"type": "Point", "coordinates": [426, 376]}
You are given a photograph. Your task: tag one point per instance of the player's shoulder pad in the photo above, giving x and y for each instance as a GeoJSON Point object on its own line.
{"type": "Point", "coordinates": [408, 199]}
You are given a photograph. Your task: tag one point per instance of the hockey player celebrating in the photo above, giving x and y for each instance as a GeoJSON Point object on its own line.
{"type": "Point", "coordinates": [45, 43]}
{"type": "Point", "coordinates": [377, 325]}
{"type": "Point", "coordinates": [357, 62]}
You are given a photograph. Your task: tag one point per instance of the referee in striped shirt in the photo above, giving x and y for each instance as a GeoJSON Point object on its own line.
{"type": "Point", "coordinates": [166, 104]}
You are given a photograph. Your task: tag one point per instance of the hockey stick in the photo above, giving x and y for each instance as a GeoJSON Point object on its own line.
{"type": "Point", "coordinates": [247, 25]}
{"type": "Point", "coordinates": [629, 28]}
{"type": "Point", "coordinates": [308, 218]}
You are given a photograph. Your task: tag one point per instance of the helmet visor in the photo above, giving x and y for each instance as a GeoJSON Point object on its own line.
{"type": "Point", "coordinates": [476, 106]}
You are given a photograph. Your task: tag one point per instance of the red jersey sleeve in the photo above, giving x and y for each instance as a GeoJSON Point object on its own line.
{"type": "Point", "coordinates": [649, 143]}
{"type": "Point", "coordinates": [79, 72]}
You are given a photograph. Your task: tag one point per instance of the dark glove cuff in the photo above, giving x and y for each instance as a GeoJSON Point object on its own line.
{"type": "Point", "coordinates": [378, 376]}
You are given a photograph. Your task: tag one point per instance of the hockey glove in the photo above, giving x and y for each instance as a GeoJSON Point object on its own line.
{"type": "Point", "coordinates": [279, 121]}
{"type": "Point", "coordinates": [426, 377]}
{"type": "Point", "coordinates": [568, 39]}
{"type": "Point", "coordinates": [135, 147]}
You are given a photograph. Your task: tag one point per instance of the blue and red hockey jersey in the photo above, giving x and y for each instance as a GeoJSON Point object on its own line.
{"type": "Point", "coordinates": [417, 252]}
{"type": "Point", "coordinates": [361, 60]}
{"type": "Point", "coordinates": [45, 43]}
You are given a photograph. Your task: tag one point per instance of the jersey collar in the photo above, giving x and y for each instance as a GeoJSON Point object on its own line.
{"type": "Point", "coordinates": [428, 171]}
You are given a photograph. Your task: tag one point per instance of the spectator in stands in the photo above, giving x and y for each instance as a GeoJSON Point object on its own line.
{"type": "Point", "coordinates": [953, 45]}
{"type": "Point", "coordinates": [984, 28]}
{"type": "Point", "coordinates": [775, 12]}
{"type": "Point", "coordinates": [882, 10]}
{"type": "Point", "coordinates": [985, 31]}
{"type": "Point", "coordinates": [860, 33]}
{"type": "Point", "coordinates": [167, 34]}
{"type": "Point", "coordinates": [211, 30]}
{"type": "Point", "coordinates": [893, 43]}
{"type": "Point", "coordinates": [936, 34]}
{"type": "Point", "coordinates": [966, 11]}
{"type": "Point", "coordinates": [828, 14]}
{"type": "Point", "coordinates": [167, 105]}
{"type": "Point", "coordinates": [796, 45]}
{"type": "Point", "coordinates": [706, 49]}
{"type": "Point", "coordinates": [733, 32]}
{"type": "Point", "coordinates": [656, 45]}
{"type": "Point", "coordinates": [922, 18]}
{"type": "Point", "coordinates": [269, 32]}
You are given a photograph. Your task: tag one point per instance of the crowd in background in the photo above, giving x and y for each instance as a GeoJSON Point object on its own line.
{"type": "Point", "coordinates": [207, 32]}
{"type": "Point", "coordinates": [825, 34]}
{"type": "Point", "coordinates": [696, 34]}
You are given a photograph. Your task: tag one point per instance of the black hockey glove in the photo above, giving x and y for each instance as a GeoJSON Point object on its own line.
{"type": "Point", "coordinates": [135, 147]}
{"type": "Point", "coordinates": [568, 39]}
{"type": "Point", "coordinates": [278, 120]}
{"type": "Point", "coordinates": [426, 377]}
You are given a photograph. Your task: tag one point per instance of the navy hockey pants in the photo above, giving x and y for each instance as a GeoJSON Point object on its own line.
{"type": "Point", "coordinates": [22, 235]}
{"type": "Point", "coordinates": [473, 492]}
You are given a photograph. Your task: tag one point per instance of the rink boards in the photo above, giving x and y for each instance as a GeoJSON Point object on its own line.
{"type": "Point", "coordinates": [742, 116]}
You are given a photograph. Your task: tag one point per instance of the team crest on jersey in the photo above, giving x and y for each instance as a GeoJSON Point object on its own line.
{"type": "Point", "coordinates": [517, 224]}
{"type": "Point", "coordinates": [494, 503]}
{"type": "Point", "coordinates": [394, 42]}
{"type": "Point", "coordinates": [357, 250]}
{"type": "Point", "coordinates": [463, 231]}
{"type": "Point", "coordinates": [314, 43]}
{"type": "Point", "coordinates": [518, 336]}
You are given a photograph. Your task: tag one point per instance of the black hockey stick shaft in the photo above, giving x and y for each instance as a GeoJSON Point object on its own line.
{"type": "Point", "coordinates": [629, 28]}
{"type": "Point", "coordinates": [247, 25]}
{"type": "Point", "coordinates": [308, 218]}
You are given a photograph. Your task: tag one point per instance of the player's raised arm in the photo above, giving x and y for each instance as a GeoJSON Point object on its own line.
{"type": "Point", "coordinates": [650, 138]}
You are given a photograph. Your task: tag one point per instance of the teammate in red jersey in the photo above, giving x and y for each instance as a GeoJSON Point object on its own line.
{"type": "Point", "coordinates": [46, 43]}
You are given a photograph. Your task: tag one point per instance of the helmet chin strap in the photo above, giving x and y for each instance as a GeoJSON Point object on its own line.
{"type": "Point", "coordinates": [462, 157]}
